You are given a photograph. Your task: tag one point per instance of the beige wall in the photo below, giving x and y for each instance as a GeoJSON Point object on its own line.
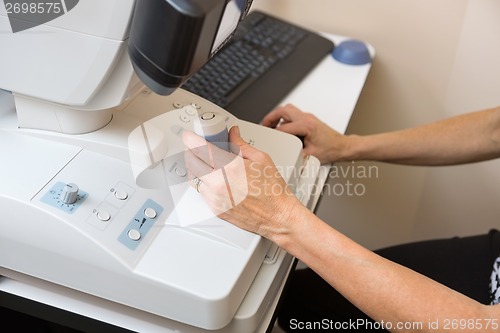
{"type": "Point", "coordinates": [434, 59]}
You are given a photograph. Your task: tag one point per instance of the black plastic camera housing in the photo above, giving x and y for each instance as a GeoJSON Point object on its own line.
{"type": "Point", "coordinates": [172, 39]}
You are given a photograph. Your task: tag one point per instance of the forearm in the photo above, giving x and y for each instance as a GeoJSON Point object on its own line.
{"type": "Point", "coordinates": [467, 138]}
{"type": "Point", "coordinates": [382, 289]}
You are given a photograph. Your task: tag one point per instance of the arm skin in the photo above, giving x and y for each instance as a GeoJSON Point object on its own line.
{"type": "Point", "coordinates": [462, 139]}
{"type": "Point", "coordinates": [384, 290]}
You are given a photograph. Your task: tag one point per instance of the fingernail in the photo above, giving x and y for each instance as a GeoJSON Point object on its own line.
{"type": "Point", "coordinates": [237, 130]}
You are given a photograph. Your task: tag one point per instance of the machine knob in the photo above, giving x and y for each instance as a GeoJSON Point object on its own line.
{"type": "Point", "coordinates": [69, 194]}
{"type": "Point", "coordinates": [212, 126]}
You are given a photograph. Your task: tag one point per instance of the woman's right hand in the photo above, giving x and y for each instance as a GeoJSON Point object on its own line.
{"type": "Point", "coordinates": [243, 187]}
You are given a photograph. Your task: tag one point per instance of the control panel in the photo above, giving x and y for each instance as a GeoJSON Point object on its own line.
{"type": "Point", "coordinates": [107, 206]}
{"type": "Point", "coordinates": [140, 224]}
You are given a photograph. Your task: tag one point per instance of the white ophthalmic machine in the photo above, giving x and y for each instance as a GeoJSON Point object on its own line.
{"type": "Point", "coordinates": [94, 195]}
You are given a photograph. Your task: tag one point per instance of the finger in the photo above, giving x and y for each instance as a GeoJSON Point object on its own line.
{"type": "Point", "coordinates": [209, 179]}
{"type": "Point", "coordinates": [296, 128]}
{"type": "Point", "coordinates": [206, 151]}
{"type": "Point", "coordinates": [285, 113]}
{"type": "Point", "coordinates": [203, 183]}
{"type": "Point", "coordinates": [273, 118]}
{"type": "Point", "coordinates": [198, 146]}
{"type": "Point", "coordinates": [215, 189]}
{"type": "Point", "coordinates": [246, 150]}
{"type": "Point", "coordinates": [195, 166]}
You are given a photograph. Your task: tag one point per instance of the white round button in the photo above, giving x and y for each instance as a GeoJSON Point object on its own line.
{"type": "Point", "coordinates": [134, 234]}
{"type": "Point", "coordinates": [121, 195]}
{"type": "Point", "coordinates": [150, 213]}
{"type": "Point", "coordinates": [104, 216]}
{"type": "Point", "coordinates": [190, 110]}
{"type": "Point", "coordinates": [208, 116]}
{"type": "Point", "coordinates": [180, 171]}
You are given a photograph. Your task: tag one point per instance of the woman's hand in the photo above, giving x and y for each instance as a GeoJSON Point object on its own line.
{"type": "Point", "coordinates": [320, 140]}
{"type": "Point", "coordinates": [243, 187]}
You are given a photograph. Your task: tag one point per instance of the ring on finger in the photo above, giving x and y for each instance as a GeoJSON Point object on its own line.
{"type": "Point", "coordinates": [197, 182]}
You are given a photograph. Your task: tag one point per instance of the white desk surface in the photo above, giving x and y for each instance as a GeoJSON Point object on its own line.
{"type": "Point", "coordinates": [330, 91]}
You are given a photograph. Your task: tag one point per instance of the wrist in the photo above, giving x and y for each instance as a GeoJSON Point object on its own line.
{"type": "Point", "coordinates": [306, 238]}
{"type": "Point", "coordinates": [291, 226]}
{"type": "Point", "coordinates": [352, 148]}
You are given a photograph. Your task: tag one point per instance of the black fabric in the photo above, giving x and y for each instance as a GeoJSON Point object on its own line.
{"type": "Point", "coordinates": [461, 263]}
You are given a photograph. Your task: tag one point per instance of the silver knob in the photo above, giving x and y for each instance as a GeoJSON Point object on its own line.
{"type": "Point", "coordinates": [69, 194]}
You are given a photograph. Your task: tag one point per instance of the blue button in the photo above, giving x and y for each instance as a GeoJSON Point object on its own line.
{"type": "Point", "coordinates": [352, 52]}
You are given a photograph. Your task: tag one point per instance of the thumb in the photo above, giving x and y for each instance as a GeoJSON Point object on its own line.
{"type": "Point", "coordinates": [236, 141]}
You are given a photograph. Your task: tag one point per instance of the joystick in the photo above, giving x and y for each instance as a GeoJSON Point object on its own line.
{"type": "Point", "coordinates": [212, 126]}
